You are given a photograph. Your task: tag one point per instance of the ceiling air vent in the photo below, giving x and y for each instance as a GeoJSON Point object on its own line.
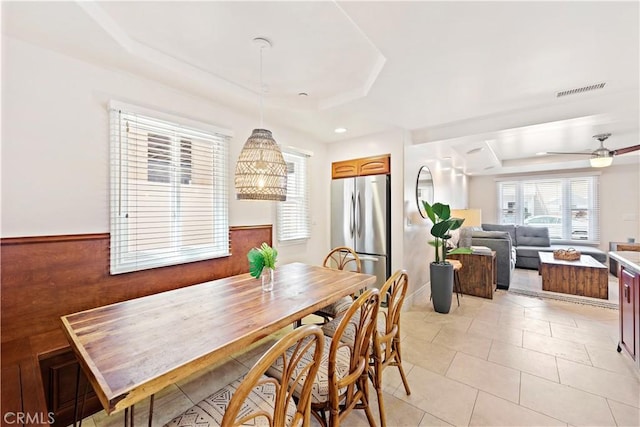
{"type": "Point", "coordinates": [580, 90]}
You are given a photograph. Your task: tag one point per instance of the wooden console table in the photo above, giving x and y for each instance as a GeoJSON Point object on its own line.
{"type": "Point", "coordinates": [478, 275]}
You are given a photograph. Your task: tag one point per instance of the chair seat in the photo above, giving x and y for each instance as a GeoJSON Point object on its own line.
{"type": "Point", "coordinates": [333, 309]}
{"type": "Point", "coordinates": [320, 388]}
{"type": "Point", "coordinates": [329, 328]}
{"type": "Point", "coordinates": [209, 411]}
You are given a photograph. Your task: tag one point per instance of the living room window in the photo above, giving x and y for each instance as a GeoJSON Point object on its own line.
{"type": "Point", "coordinates": [169, 190]}
{"type": "Point", "coordinates": [293, 214]}
{"type": "Point", "coordinates": [568, 206]}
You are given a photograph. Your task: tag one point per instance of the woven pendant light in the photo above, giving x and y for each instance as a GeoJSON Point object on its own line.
{"type": "Point", "coordinates": [261, 173]}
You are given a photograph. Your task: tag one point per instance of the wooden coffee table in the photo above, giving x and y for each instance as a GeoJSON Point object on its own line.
{"type": "Point", "coordinates": [584, 277]}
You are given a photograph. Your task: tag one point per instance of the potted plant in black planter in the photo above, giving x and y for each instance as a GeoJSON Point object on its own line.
{"type": "Point", "coordinates": [441, 271]}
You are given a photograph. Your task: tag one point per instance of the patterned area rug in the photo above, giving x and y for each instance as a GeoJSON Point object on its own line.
{"type": "Point", "coordinates": [564, 297]}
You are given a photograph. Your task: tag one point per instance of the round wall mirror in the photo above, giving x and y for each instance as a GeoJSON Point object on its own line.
{"type": "Point", "coordinates": [424, 189]}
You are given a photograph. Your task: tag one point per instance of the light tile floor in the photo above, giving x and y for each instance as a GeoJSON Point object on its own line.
{"type": "Point", "coordinates": [511, 361]}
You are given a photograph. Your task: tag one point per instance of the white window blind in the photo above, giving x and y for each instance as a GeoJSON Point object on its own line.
{"type": "Point", "coordinates": [169, 191]}
{"type": "Point", "coordinates": [293, 214]}
{"type": "Point", "coordinates": [568, 206]}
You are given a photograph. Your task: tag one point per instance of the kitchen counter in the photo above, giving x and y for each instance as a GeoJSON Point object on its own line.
{"type": "Point", "coordinates": [629, 308]}
{"type": "Point", "coordinates": [630, 258]}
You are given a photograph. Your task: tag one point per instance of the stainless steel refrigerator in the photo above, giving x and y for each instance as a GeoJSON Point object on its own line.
{"type": "Point", "coordinates": [360, 219]}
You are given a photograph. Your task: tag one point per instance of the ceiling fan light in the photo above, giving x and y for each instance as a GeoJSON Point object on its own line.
{"type": "Point", "coordinates": [598, 161]}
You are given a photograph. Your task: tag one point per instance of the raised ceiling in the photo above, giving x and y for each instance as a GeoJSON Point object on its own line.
{"type": "Point", "coordinates": [456, 75]}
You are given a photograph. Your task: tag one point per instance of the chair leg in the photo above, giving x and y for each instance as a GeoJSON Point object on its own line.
{"type": "Point", "coordinates": [365, 400]}
{"type": "Point", "coordinates": [376, 380]}
{"type": "Point", "coordinates": [398, 357]}
{"type": "Point", "coordinates": [383, 414]}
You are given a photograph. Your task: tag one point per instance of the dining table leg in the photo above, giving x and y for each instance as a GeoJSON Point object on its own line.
{"type": "Point", "coordinates": [151, 408]}
{"type": "Point", "coordinates": [78, 412]}
{"type": "Point", "coordinates": [129, 413]}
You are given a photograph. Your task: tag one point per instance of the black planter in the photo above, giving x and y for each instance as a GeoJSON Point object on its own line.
{"type": "Point", "coordinates": [441, 286]}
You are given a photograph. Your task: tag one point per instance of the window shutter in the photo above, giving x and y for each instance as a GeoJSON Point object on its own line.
{"type": "Point", "coordinates": [293, 214]}
{"type": "Point", "coordinates": [508, 203]}
{"type": "Point", "coordinates": [583, 207]}
{"type": "Point", "coordinates": [568, 206]}
{"type": "Point", "coordinates": [169, 192]}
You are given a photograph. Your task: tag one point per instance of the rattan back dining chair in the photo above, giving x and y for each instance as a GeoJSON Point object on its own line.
{"type": "Point", "coordinates": [341, 384]}
{"type": "Point", "coordinates": [340, 258]}
{"type": "Point", "coordinates": [386, 341]}
{"type": "Point", "coordinates": [259, 400]}
{"type": "Point", "coordinates": [385, 349]}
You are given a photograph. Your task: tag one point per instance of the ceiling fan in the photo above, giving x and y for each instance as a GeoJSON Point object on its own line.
{"type": "Point", "coordinates": [603, 157]}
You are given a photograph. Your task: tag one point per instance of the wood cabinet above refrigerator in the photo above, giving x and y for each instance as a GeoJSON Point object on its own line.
{"type": "Point", "coordinates": [361, 167]}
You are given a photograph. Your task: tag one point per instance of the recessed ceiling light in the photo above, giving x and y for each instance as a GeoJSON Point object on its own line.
{"type": "Point", "coordinates": [340, 130]}
{"type": "Point", "coordinates": [541, 153]}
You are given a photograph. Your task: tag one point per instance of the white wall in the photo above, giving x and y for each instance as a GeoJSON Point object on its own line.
{"type": "Point", "coordinates": [619, 204]}
{"type": "Point", "coordinates": [449, 188]}
{"type": "Point", "coordinates": [619, 201]}
{"type": "Point", "coordinates": [55, 147]}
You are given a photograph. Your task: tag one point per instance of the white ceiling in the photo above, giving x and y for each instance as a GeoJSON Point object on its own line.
{"type": "Point", "coordinates": [456, 75]}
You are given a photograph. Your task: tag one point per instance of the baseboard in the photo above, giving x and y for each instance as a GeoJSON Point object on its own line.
{"type": "Point", "coordinates": [418, 297]}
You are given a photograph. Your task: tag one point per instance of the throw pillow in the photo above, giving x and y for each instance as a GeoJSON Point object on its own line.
{"type": "Point", "coordinates": [455, 238]}
{"type": "Point", "coordinates": [464, 240]}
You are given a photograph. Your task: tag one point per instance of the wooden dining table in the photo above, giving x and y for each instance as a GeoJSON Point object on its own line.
{"type": "Point", "coordinates": [131, 350]}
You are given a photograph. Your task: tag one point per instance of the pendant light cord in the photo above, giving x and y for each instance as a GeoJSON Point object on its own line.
{"type": "Point", "coordinates": [261, 89]}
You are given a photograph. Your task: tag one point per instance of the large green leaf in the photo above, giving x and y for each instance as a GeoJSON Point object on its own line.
{"type": "Point", "coordinates": [442, 211]}
{"type": "Point", "coordinates": [456, 223]}
{"type": "Point", "coordinates": [270, 255]}
{"type": "Point", "coordinates": [429, 210]}
{"type": "Point", "coordinates": [460, 251]}
{"type": "Point", "coordinates": [256, 262]}
{"type": "Point", "coordinates": [440, 229]}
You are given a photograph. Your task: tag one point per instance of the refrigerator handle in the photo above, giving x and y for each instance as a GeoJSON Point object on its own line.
{"type": "Point", "coordinates": [352, 215]}
{"type": "Point", "coordinates": [358, 215]}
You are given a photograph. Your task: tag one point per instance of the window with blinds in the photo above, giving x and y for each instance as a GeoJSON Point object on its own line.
{"type": "Point", "coordinates": [293, 214]}
{"type": "Point", "coordinates": [568, 206]}
{"type": "Point", "coordinates": [169, 190]}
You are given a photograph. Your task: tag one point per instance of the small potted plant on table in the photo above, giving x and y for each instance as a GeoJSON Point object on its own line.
{"type": "Point", "coordinates": [441, 271]}
{"type": "Point", "coordinates": [262, 263]}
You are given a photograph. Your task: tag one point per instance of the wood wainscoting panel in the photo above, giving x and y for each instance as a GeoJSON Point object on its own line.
{"type": "Point", "coordinates": [60, 377]}
{"type": "Point", "coordinates": [45, 278]}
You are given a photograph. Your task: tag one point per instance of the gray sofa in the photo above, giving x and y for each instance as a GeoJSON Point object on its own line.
{"type": "Point", "coordinates": [528, 241]}
{"type": "Point", "coordinates": [517, 246]}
